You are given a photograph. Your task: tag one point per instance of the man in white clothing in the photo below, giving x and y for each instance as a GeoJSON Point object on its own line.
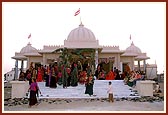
{"type": "Point", "coordinates": [110, 92]}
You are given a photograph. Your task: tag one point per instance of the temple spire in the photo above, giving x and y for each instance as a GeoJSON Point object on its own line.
{"type": "Point", "coordinates": [29, 38]}
{"type": "Point", "coordinates": [81, 24]}
{"type": "Point", "coordinates": [131, 40]}
{"type": "Point", "coordinates": [132, 43]}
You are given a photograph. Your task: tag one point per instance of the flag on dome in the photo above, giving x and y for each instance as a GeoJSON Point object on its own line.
{"type": "Point", "coordinates": [77, 12]}
{"type": "Point", "coordinates": [29, 36]}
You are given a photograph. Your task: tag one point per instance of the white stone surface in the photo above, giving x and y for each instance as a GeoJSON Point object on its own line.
{"type": "Point", "coordinates": [19, 88]}
{"type": "Point", "coordinates": [99, 90]}
{"type": "Point", "coordinates": [145, 88]}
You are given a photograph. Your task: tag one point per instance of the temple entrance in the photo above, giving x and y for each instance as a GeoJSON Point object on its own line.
{"type": "Point", "coordinates": [106, 63]}
{"type": "Point", "coordinates": [106, 66]}
{"type": "Point", "coordinates": [37, 64]}
{"type": "Point", "coordinates": [50, 61]}
{"type": "Point", "coordinates": [126, 67]}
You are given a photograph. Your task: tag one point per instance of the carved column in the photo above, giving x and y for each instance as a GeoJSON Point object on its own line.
{"type": "Point", "coordinates": [16, 70]}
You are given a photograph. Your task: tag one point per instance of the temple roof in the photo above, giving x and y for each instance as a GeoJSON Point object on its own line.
{"type": "Point", "coordinates": [81, 34]}
{"type": "Point", "coordinates": [81, 37]}
{"type": "Point", "coordinates": [133, 50]}
{"type": "Point", "coordinates": [26, 51]}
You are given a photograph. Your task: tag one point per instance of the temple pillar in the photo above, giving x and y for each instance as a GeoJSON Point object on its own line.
{"type": "Point", "coordinates": [144, 66]}
{"type": "Point", "coordinates": [139, 67]}
{"type": "Point", "coordinates": [16, 70]}
{"type": "Point", "coordinates": [28, 62]}
{"type": "Point", "coordinates": [44, 59]}
{"type": "Point", "coordinates": [96, 58]}
{"type": "Point", "coordinates": [22, 64]}
{"type": "Point", "coordinates": [121, 67]}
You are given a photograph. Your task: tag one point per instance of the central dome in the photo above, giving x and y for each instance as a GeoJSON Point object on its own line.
{"type": "Point", "coordinates": [81, 37]}
{"type": "Point", "coordinates": [81, 34]}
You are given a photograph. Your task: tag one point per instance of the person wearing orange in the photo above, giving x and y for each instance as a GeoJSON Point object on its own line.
{"type": "Point", "coordinates": [110, 75]}
{"type": "Point", "coordinates": [137, 77]}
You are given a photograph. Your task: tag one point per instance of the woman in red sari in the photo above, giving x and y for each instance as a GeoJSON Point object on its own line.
{"type": "Point", "coordinates": [39, 75]}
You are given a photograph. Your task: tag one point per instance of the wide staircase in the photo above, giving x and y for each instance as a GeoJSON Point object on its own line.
{"type": "Point", "coordinates": [120, 90]}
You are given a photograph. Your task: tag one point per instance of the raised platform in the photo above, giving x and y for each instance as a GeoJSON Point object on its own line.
{"type": "Point", "coordinates": [99, 90]}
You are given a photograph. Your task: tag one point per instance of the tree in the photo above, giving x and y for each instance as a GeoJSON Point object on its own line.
{"type": "Point", "coordinates": [73, 55]}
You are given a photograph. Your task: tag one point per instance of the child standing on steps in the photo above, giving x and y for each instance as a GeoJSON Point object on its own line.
{"type": "Point", "coordinates": [110, 92]}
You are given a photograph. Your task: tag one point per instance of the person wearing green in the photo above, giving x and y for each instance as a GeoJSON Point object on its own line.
{"type": "Point", "coordinates": [89, 82]}
{"type": "Point", "coordinates": [74, 75]}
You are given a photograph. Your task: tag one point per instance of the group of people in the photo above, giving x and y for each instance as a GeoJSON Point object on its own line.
{"type": "Point", "coordinates": [32, 73]}
{"type": "Point", "coordinates": [113, 74]}
{"type": "Point", "coordinates": [56, 74]}
{"type": "Point", "coordinates": [74, 74]}
{"type": "Point", "coordinates": [65, 76]}
{"type": "Point", "coordinates": [132, 77]}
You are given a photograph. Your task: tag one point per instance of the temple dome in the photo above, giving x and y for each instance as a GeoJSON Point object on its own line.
{"type": "Point", "coordinates": [28, 49]}
{"type": "Point", "coordinates": [133, 49]}
{"type": "Point", "coordinates": [81, 37]}
{"type": "Point", "coordinates": [81, 34]}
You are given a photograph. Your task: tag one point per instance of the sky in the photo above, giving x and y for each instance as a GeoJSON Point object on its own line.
{"type": "Point", "coordinates": [111, 22]}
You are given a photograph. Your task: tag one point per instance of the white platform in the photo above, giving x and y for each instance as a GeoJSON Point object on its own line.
{"type": "Point", "coordinates": [99, 90]}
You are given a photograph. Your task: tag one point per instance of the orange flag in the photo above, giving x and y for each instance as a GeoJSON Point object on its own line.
{"type": "Point", "coordinates": [29, 36]}
{"type": "Point", "coordinates": [77, 12]}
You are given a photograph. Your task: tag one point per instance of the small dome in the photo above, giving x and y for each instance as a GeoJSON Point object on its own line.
{"type": "Point", "coordinates": [28, 49]}
{"type": "Point", "coordinates": [81, 34]}
{"type": "Point", "coordinates": [133, 49]}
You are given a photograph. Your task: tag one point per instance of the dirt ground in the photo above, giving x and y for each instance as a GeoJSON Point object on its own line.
{"type": "Point", "coordinates": [91, 106]}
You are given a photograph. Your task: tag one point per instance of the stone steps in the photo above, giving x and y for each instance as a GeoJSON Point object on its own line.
{"type": "Point", "coordinates": [99, 90]}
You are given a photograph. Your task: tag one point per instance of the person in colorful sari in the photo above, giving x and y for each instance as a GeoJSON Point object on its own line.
{"type": "Point", "coordinates": [117, 75]}
{"type": "Point", "coordinates": [47, 72]}
{"type": "Point", "coordinates": [82, 77]}
{"type": "Point", "coordinates": [74, 75]}
{"type": "Point", "coordinates": [89, 83]}
{"type": "Point", "coordinates": [64, 76]}
{"type": "Point", "coordinates": [68, 71]}
{"type": "Point", "coordinates": [59, 77]}
{"type": "Point", "coordinates": [39, 75]}
{"type": "Point", "coordinates": [29, 76]}
{"type": "Point", "coordinates": [33, 89]}
{"type": "Point", "coordinates": [98, 71]}
{"type": "Point", "coordinates": [53, 79]}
